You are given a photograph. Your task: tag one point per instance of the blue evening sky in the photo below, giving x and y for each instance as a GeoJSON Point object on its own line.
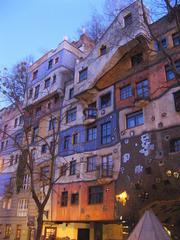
{"type": "Point", "coordinates": [32, 27]}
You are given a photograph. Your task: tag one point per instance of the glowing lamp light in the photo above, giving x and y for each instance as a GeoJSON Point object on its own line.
{"type": "Point", "coordinates": [122, 198]}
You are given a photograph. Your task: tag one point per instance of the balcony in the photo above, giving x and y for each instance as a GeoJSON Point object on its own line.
{"type": "Point", "coordinates": [90, 115]}
{"type": "Point", "coordinates": [141, 101]}
{"type": "Point", "coordinates": [104, 174]}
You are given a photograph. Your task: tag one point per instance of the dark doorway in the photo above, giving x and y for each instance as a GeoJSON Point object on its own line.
{"type": "Point", "coordinates": [83, 234]}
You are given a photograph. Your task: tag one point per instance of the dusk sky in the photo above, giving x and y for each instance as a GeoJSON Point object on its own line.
{"type": "Point", "coordinates": [36, 26]}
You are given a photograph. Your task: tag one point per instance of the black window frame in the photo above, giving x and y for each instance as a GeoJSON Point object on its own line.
{"type": "Point", "coordinates": [75, 198]}
{"type": "Point", "coordinates": [72, 168]}
{"type": "Point", "coordinates": [71, 93]}
{"type": "Point", "coordinates": [95, 194]}
{"type": "Point", "coordinates": [175, 145]}
{"type": "Point", "coordinates": [50, 64]}
{"type": "Point", "coordinates": [71, 115]}
{"type": "Point", "coordinates": [67, 142]}
{"type": "Point", "coordinates": [142, 89]}
{"type": "Point", "coordinates": [177, 100]}
{"type": "Point", "coordinates": [103, 50]}
{"type": "Point", "coordinates": [64, 199]}
{"type": "Point", "coordinates": [35, 74]}
{"type": "Point", "coordinates": [134, 115]}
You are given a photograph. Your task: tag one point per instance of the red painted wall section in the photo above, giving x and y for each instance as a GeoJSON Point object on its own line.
{"type": "Point", "coordinates": [83, 211]}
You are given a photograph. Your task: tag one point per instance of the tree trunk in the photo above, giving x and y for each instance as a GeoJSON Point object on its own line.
{"type": "Point", "coordinates": [39, 224]}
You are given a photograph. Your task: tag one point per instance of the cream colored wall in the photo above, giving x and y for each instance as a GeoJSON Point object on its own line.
{"type": "Point", "coordinates": [156, 108]}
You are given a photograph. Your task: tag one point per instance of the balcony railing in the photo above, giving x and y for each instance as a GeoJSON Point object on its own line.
{"type": "Point", "coordinates": [104, 174]}
{"type": "Point", "coordinates": [90, 115]}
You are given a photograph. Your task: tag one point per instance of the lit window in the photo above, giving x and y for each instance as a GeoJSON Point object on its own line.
{"type": "Point", "coordinates": [135, 119]}
{"type": "Point", "coordinates": [95, 195]}
{"type": "Point", "coordinates": [128, 20]}
{"type": "Point", "coordinates": [91, 163]}
{"type": "Point", "coordinates": [126, 92]}
{"type": "Point", "coordinates": [22, 208]}
{"type": "Point", "coordinates": [71, 115]}
{"type": "Point", "coordinates": [175, 145]}
{"type": "Point", "coordinates": [105, 100]}
{"type": "Point", "coordinates": [83, 75]}
{"type": "Point", "coordinates": [47, 83]}
{"type": "Point", "coordinates": [142, 89]}
{"type": "Point", "coordinates": [176, 39]}
{"type": "Point", "coordinates": [91, 134]}
{"type": "Point", "coordinates": [137, 59]}
{"type": "Point", "coordinates": [73, 167]}
{"type": "Point", "coordinates": [106, 133]}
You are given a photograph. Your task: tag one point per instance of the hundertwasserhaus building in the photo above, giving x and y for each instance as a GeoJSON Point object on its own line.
{"type": "Point", "coordinates": [118, 147]}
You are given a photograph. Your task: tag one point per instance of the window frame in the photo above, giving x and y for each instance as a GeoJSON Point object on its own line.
{"type": "Point", "coordinates": [64, 199]}
{"type": "Point", "coordinates": [71, 115]}
{"type": "Point", "coordinates": [91, 133]}
{"type": "Point", "coordinates": [72, 167]}
{"type": "Point", "coordinates": [91, 164]}
{"type": "Point", "coordinates": [126, 92]}
{"type": "Point", "coordinates": [173, 145]}
{"type": "Point", "coordinates": [134, 114]}
{"type": "Point", "coordinates": [83, 74]}
{"type": "Point", "coordinates": [104, 103]}
{"type": "Point", "coordinates": [137, 59]}
{"type": "Point", "coordinates": [142, 87]}
{"type": "Point", "coordinates": [106, 139]}
{"type": "Point", "coordinates": [95, 194]}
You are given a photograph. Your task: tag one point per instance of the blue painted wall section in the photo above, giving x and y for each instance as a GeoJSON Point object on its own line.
{"type": "Point", "coordinates": [83, 145]}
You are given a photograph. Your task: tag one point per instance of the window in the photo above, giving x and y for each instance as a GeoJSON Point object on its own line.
{"type": "Point", "coordinates": [75, 138]}
{"type": "Point", "coordinates": [91, 163]}
{"type": "Point", "coordinates": [63, 169]}
{"type": "Point", "coordinates": [18, 138]}
{"type": "Point", "coordinates": [6, 145]}
{"type": "Point", "coordinates": [169, 72]}
{"type": "Point", "coordinates": [44, 173]}
{"type": "Point", "coordinates": [137, 59]}
{"type": "Point", "coordinates": [38, 111]}
{"type": "Point", "coordinates": [35, 134]}
{"type": "Point", "coordinates": [75, 198]}
{"type": "Point", "coordinates": [56, 60]}
{"type": "Point", "coordinates": [175, 145]}
{"type": "Point", "coordinates": [54, 78]}
{"type": "Point", "coordinates": [44, 148]}
{"type": "Point", "coordinates": [36, 94]}
{"type": "Point", "coordinates": [26, 182]}
{"type": "Point", "coordinates": [11, 160]}
{"type": "Point", "coordinates": [20, 120]}
{"type": "Point", "coordinates": [128, 20]}
{"type": "Point", "coordinates": [177, 100]}
{"type": "Point", "coordinates": [107, 166]}
{"type": "Point", "coordinates": [83, 75]}
{"type": "Point", "coordinates": [71, 93]}
{"type": "Point", "coordinates": [163, 43]}
{"type": "Point", "coordinates": [106, 133]}
{"type": "Point", "coordinates": [47, 83]}
{"type": "Point", "coordinates": [35, 73]}
{"type": "Point", "coordinates": [126, 92]}
{"type": "Point", "coordinates": [15, 122]}
{"type": "Point", "coordinates": [91, 134]}
{"type": "Point", "coordinates": [30, 93]}
{"type": "Point", "coordinates": [7, 203]}
{"type": "Point", "coordinates": [8, 231]}
{"type": "Point", "coordinates": [135, 119]}
{"type": "Point", "coordinates": [73, 167]}
{"type": "Point", "coordinates": [103, 50]}
{"type": "Point", "coordinates": [52, 124]}
{"type": "Point", "coordinates": [95, 195]}
{"type": "Point", "coordinates": [176, 39]}
{"type": "Point", "coordinates": [105, 100]}
{"type": "Point", "coordinates": [142, 89]}
{"type": "Point", "coordinates": [22, 208]}
{"type": "Point", "coordinates": [71, 115]}
{"type": "Point", "coordinates": [64, 199]}
{"type": "Point", "coordinates": [18, 232]}
{"type": "Point", "coordinates": [50, 64]}
{"type": "Point", "coordinates": [2, 146]}
{"type": "Point", "coordinates": [67, 140]}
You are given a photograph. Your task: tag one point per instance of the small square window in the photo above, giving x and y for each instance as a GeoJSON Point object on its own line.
{"type": "Point", "coordinates": [83, 74]}
{"type": "Point", "coordinates": [135, 119]}
{"type": "Point", "coordinates": [128, 20]}
{"type": "Point", "coordinates": [137, 59]}
{"type": "Point", "coordinates": [125, 92]}
{"type": "Point", "coordinates": [47, 83]}
{"type": "Point", "coordinates": [50, 64]}
{"type": "Point", "coordinates": [105, 100]}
